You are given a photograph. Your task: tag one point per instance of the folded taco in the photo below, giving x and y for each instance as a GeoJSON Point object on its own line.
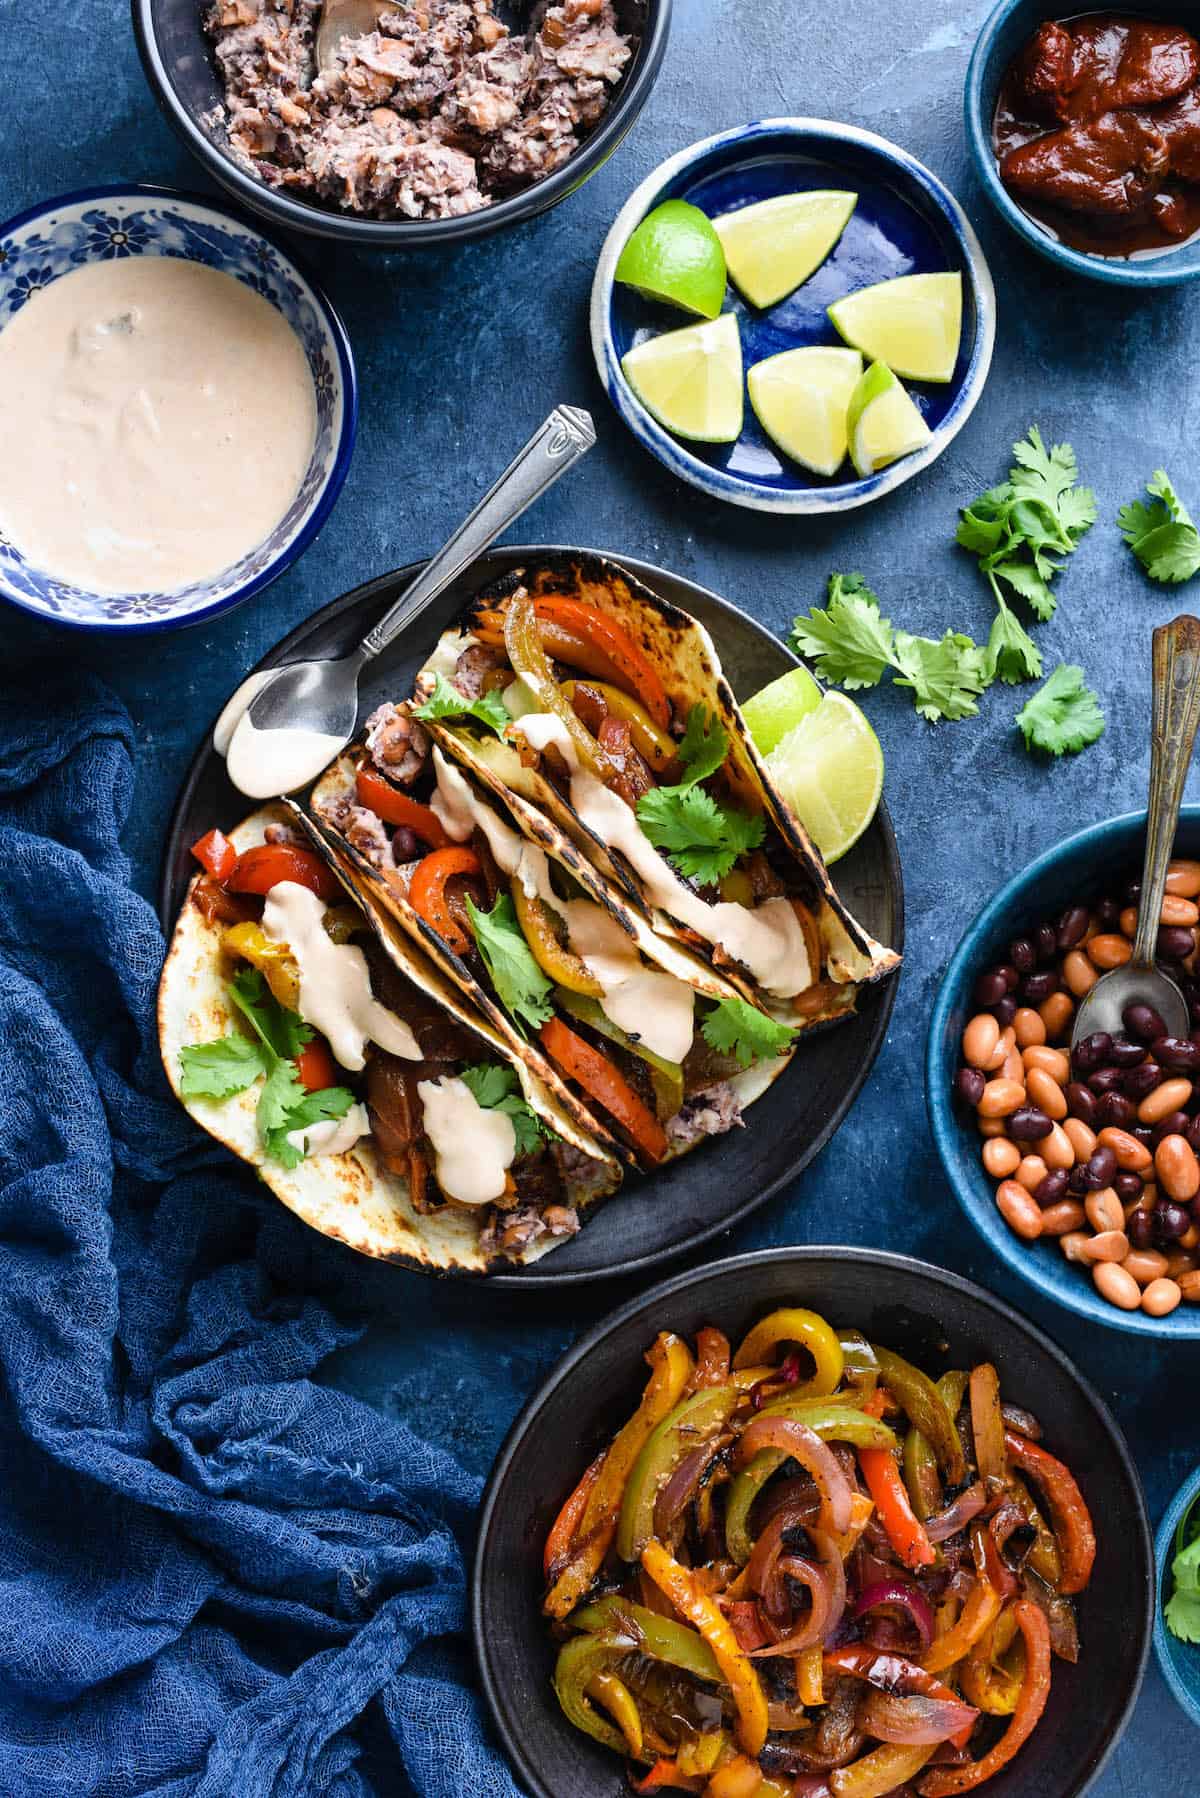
{"type": "Point", "coordinates": [313, 1038]}
{"type": "Point", "coordinates": [659, 1047]}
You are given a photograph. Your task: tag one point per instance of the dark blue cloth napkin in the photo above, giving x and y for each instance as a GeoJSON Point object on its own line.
{"type": "Point", "coordinates": [216, 1577]}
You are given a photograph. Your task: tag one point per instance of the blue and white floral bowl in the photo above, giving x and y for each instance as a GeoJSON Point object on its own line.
{"type": "Point", "coordinates": [40, 246]}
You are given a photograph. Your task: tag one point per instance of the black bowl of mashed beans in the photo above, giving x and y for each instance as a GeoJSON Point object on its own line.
{"type": "Point", "coordinates": [452, 119]}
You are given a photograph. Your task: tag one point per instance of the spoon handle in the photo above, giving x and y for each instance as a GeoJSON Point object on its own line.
{"type": "Point", "coordinates": [555, 446]}
{"type": "Point", "coordinates": [1176, 714]}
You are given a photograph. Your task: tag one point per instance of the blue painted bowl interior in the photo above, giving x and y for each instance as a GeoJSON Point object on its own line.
{"type": "Point", "coordinates": [1002, 38]}
{"type": "Point", "coordinates": [897, 228]}
{"type": "Point", "coordinates": [55, 240]}
{"type": "Point", "coordinates": [1077, 868]}
{"type": "Point", "coordinates": [1179, 1661]}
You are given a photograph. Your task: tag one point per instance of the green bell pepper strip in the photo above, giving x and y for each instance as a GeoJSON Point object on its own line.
{"type": "Point", "coordinates": [860, 1368]}
{"type": "Point", "coordinates": [689, 1426]}
{"type": "Point", "coordinates": [921, 1478]}
{"type": "Point", "coordinates": [666, 1077]}
{"type": "Point", "coordinates": [831, 1421]}
{"type": "Point", "coordinates": [926, 1410]}
{"type": "Point", "coordinates": [659, 1637]}
{"type": "Point", "coordinates": [579, 1661]}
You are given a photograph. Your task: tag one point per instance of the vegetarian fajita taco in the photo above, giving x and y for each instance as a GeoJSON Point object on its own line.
{"type": "Point", "coordinates": [313, 1038]}
{"type": "Point", "coordinates": [660, 1048]}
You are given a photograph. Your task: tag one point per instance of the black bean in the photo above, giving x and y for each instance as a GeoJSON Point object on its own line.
{"type": "Point", "coordinates": [1171, 1221]}
{"type": "Point", "coordinates": [1193, 1132]}
{"type": "Point", "coordinates": [1004, 1011]}
{"type": "Point", "coordinates": [968, 1085]}
{"type": "Point", "coordinates": [1108, 914]}
{"type": "Point", "coordinates": [1125, 1053]}
{"type": "Point", "coordinates": [1092, 1051]}
{"type": "Point", "coordinates": [1105, 1080]}
{"type": "Point", "coordinates": [1128, 1186]}
{"type": "Point", "coordinates": [1179, 1053]}
{"type": "Point", "coordinates": [1027, 1124]}
{"type": "Point", "coordinates": [1045, 942]}
{"type": "Point", "coordinates": [1037, 988]}
{"type": "Point", "coordinates": [1072, 927]}
{"type": "Point", "coordinates": [990, 987]}
{"type": "Point", "coordinates": [1175, 941]}
{"type": "Point", "coordinates": [1081, 1102]}
{"type": "Point", "coordinates": [1114, 1111]}
{"type": "Point", "coordinates": [1139, 1227]}
{"type": "Point", "coordinates": [1022, 955]}
{"type": "Point", "coordinates": [1053, 1188]}
{"type": "Point", "coordinates": [1144, 1134]}
{"type": "Point", "coordinates": [1101, 1166]}
{"type": "Point", "coordinates": [1077, 1180]}
{"type": "Point", "coordinates": [1174, 1124]}
{"type": "Point", "coordinates": [1137, 1083]}
{"type": "Point", "coordinates": [1143, 1022]}
{"type": "Point", "coordinates": [1012, 979]}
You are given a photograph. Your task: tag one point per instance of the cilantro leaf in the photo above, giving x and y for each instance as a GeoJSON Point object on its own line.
{"type": "Point", "coordinates": [703, 746]}
{"type": "Point", "coordinates": [1063, 716]}
{"type": "Point", "coordinates": [279, 1098]}
{"type": "Point", "coordinates": [735, 1027]}
{"type": "Point", "coordinates": [498, 1089]}
{"type": "Point", "coordinates": [1162, 535]}
{"type": "Point", "coordinates": [1182, 1613]}
{"type": "Point", "coordinates": [447, 702]}
{"type": "Point", "coordinates": [1011, 652]}
{"type": "Point", "coordinates": [309, 1108]}
{"type": "Point", "coordinates": [219, 1069]}
{"type": "Point", "coordinates": [1029, 582]}
{"type": "Point", "coordinates": [1049, 478]}
{"type": "Point", "coordinates": [282, 1033]}
{"type": "Point", "coordinates": [702, 839]}
{"type": "Point", "coordinates": [520, 984]}
{"type": "Point", "coordinates": [946, 678]}
{"type": "Point", "coordinates": [849, 643]}
{"type": "Point", "coordinates": [982, 527]}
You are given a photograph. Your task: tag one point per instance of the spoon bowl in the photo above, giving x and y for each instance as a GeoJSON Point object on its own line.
{"type": "Point", "coordinates": [344, 19]}
{"type": "Point", "coordinates": [1105, 1006]}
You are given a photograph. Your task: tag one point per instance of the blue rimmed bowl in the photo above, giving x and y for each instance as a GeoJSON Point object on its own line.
{"type": "Point", "coordinates": [1007, 30]}
{"type": "Point", "coordinates": [1179, 1661]}
{"type": "Point", "coordinates": [1073, 869]}
{"type": "Point", "coordinates": [42, 245]}
{"type": "Point", "coordinates": [905, 223]}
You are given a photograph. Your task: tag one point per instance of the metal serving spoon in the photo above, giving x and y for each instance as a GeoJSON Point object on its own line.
{"type": "Point", "coordinates": [1176, 714]}
{"type": "Point", "coordinates": [278, 734]}
{"type": "Point", "coordinates": [342, 19]}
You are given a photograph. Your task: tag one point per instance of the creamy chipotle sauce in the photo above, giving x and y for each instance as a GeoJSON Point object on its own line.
{"type": "Point", "coordinates": [156, 421]}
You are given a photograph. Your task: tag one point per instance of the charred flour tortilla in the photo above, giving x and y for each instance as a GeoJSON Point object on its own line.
{"type": "Point", "coordinates": [355, 1196]}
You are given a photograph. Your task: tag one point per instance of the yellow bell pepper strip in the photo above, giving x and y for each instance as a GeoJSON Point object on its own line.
{"type": "Point", "coordinates": [666, 1077]}
{"type": "Point", "coordinates": [659, 751]}
{"type": "Point", "coordinates": [986, 1681]}
{"type": "Point", "coordinates": [880, 1771]}
{"type": "Point", "coordinates": [1044, 1558]}
{"type": "Point", "coordinates": [810, 1683]}
{"type": "Point", "coordinates": [745, 1689]}
{"type": "Point", "coordinates": [807, 1331]}
{"type": "Point", "coordinates": [703, 1753]}
{"type": "Point", "coordinates": [1068, 1512]}
{"type": "Point", "coordinates": [554, 958]}
{"type": "Point", "coordinates": [981, 1610]}
{"type": "Point", "coordinates": [691, 1425]}
{"type": "Point", "coordinates": [671, 1364]}
{"type": "Point", "coordinates": [563, 1531]}
{"type": "Point", "coordinates": [274, 961]}
{"type": "Point", "coordinates": [926, 1411]}
{"type": "Point", "coordinates": [945, 1782]}
{"type": "Point", "coordinates": [529, 659]}
{"type": "Point", "coordinates": [614, 1695]}
{"type": "Point", "coordinates": [661, 1638]}
{"type": "Point", "coordinates": [987, 1426]}
{"type": "Point", "coordinates": [827, 1418]}
{"type": "Point", "coordinates": [580, 1661]}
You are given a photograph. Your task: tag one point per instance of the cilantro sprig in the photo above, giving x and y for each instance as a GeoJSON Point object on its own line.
{"type": "Point", "coordinates": [1182, 1614]}
{"type": "Point", "coordinates": [230, 1064]}
{"type": "Point", "coordinates": [447, 702]}
{"type": "Point", "coordinates": [1163, 534]}
{"type": "Point", "coordinates": [1022, 531]}
{"type": "Point", "coordinates": [701, 838]}
{"type": "Point", "coordinates": [1063, 716]}
{"type": "Point", "coordinates": [498, 1089]}
{"type": "Point", "coordinates": [520, 984]}
{"type": "Point", "coordinates": [851, 644]}
{"type": "Point", "coordinates": [735, 1027]}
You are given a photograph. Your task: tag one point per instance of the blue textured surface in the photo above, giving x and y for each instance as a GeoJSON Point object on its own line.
{"type": "Point", "coordinates": [459, 356]}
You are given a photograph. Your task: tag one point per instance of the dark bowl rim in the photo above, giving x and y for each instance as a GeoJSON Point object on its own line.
{"type": "Point", "coordinates": [754, 1259]}
{"type": "Point", "coordinates": [1180, 1325]}
{"type": "Point", "coordinates": [1111, 271]}
{"type": "Point", "coordinates": [1182, 1500]}
{"type": "Point", "coordinates": [347, 439]}
{"type": "Point", "coordinates": [399, 234]}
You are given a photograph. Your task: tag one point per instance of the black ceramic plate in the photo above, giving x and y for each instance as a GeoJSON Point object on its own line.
{"type": "Point", "coordinates": [713, 1188]}
{"type": "Point", "coordinates": [935, 1318]}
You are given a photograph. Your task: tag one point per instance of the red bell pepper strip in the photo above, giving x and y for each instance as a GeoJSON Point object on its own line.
{"type": "Point", "coordinates": [601, 1081]}
{"type": "Point", "coordinates": [904, 1529]}
{"type": "Point", "coordinates": [394, 807]}
{"type": "Point", "coordinates": [566, 1525]}
{"type": "Point", "coordinates": [315, 1066]}
{"type": "Point", "coordinates": [944, 1782]}
{"type": "Point", "coordinates": [216, 854]}
{"type": "Point", "coordinates": [664, 1775]}
{"type": "Point", "coordinates": [258, 870]}
{"type": "Point", "coordinates": [1068, 1512]}
{"type": "Point", "coordinates": [427, 893]}
{"type": "Point", "coordinates": [606, 635]}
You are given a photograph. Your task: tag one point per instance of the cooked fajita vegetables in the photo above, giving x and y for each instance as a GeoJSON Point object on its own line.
{"type": "Point", "coordinates": [808, 1570]}
{"type": "Point", "coordinates": [315, 1041]}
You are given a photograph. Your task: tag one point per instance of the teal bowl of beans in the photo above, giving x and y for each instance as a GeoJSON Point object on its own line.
{"type": "Point", "coordinates": [1179, 1660]}
{"type": "Point", "coordinates": [1091, 1188]}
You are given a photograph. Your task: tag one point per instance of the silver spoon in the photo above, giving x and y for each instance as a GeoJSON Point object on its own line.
{"type": "Point", "coordinates": [1176, 714]}
{"type": "Point", "coordinates": [281, 732]}
{"type": "Point", "coordinates": [344, 19]}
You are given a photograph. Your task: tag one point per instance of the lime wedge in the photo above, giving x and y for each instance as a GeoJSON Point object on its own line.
{"type": "Point", "coordinates": [676, 256]}
{"type": "Point", "coordinates": [691, 380]}
{"type": "Point", "coordinates": [883, 423]}
{"type": "Point", "coordinates": [778, 708]}
{"type": "Point", "coordinates": [801, 398]}
{"type": "Point", "coordinates": [914, 324]}
{"type": "Point", "coordinates": [773, 246]}
{"type": "Point", "coordinates": [829, 768]}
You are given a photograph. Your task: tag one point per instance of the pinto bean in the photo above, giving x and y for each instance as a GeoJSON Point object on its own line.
{"type": "Point", "coordinates": [979, 1040]}
{"type": "Point", "coordinates": [1056, 1149]}
{"type": "Point", "coordinates": [1109, 951]}
{"type": "Point", "coordinates": [1001, 1157]}
{"type": "Point", "coordinates": [1047, 1061]}
{"type": "Point", "coordinates": [1160, 1298]}
{"type": "Point", "coordinates": [1046, 1094]}
{"type": "Point", "coordinates": [1019, 1210]}
{"type": "Point", "coordinates": [1177, 1168]}
{"type": "Point", "coordinates": [1056, 1013]}
{"type": "Point", "coordinates": [1082, 1140]}
{"type": "Point", "coordinates": [1002, 1097]}
{"type": "Point", "coordinates": [1172, 1095]}
{"type": "Point", "coordinates": [1028, 1027]}
{"type": "Point", "coordinates": [1079, 973]}
{"type": "Point", "coordinates": [1108, 1245]}
{"type": "Point", "coordinates": [1131, 1155]}
{"type": "Point", "coordinates": [1118, 1287]}
{"type": "Point", "coordinates": [1104, 1210]}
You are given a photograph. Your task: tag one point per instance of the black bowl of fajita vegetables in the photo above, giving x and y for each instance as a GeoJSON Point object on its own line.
{"type": "Point", "coordinates": [813, 1524]}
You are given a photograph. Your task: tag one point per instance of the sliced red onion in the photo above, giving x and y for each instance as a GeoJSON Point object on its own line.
{"type": "Point", "coordinates": [1023, 1422]}
{"type": "Point", "coordinates": [1059, 1613]}
{"type": "Point", "coordinates": [812, 1630]}
{"type": "Point", "coordinates": [805, 1446]}
{"type": "Point", "coordinates": [681, 1485]}
{"type": "Point", "coordinates": [909, 1598]}
{"type": "Point", "coordinates": [965, 1508]}
{"type": "Point", "coordinates": [786, 1374]}
{"type": "Point", "coordinates": [914, 1722]}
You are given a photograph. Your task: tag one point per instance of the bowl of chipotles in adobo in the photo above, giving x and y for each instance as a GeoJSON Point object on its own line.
{"type": "Point", "coordinates": [1078, 1163]}
{"type": "Point", "coordinates": [1085, 131]}
{"type": "Point", "coordinates": [813, 1523]}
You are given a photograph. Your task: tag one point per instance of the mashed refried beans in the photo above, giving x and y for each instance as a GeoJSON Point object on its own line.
{"type": "Point", "coordinates": [439, 111]}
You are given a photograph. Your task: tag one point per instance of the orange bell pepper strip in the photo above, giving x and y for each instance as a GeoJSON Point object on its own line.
{"type": "Point", "coordinates": [944, 1782]}
{"type": "Point", "coordinates": [216, 854]}
{"type": "Point", "coordinates": [981, 1610]}
{"type": "Point", "coordinates": [258, 870]}
{"type": "Point", "coordinates": [427, 893]}
{"type": "Point", "coordinates": [394, 807]}
{"type": "Point", "coordinates": [565, 1528]}
{"type": "Point", "coordinates": [665, 1775]}
{"type": "Point", "coordinates": [602, 633]}
{"type": "Point", "coordinates": [738, 1778]}
{"type": "Point", "coordinates": [670, 1362]}
{"type": "Point", "coordinates": [698, 1609]}
{"type": "Point", "coordinates": [905, 1531]}
{"type": "Point", "coordinates": [1068, 1511]}
{"type": "Point", "coordinates": [882, 1770]}
{"type": "Point", "coordinates": [712, 1359]}
{"type": "Point", "coordinates": [810, 1683]}
{"type": "Point", "coordinates": [601, 1081]}
{"type": "Point", "coordinates": [315, 1066]}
